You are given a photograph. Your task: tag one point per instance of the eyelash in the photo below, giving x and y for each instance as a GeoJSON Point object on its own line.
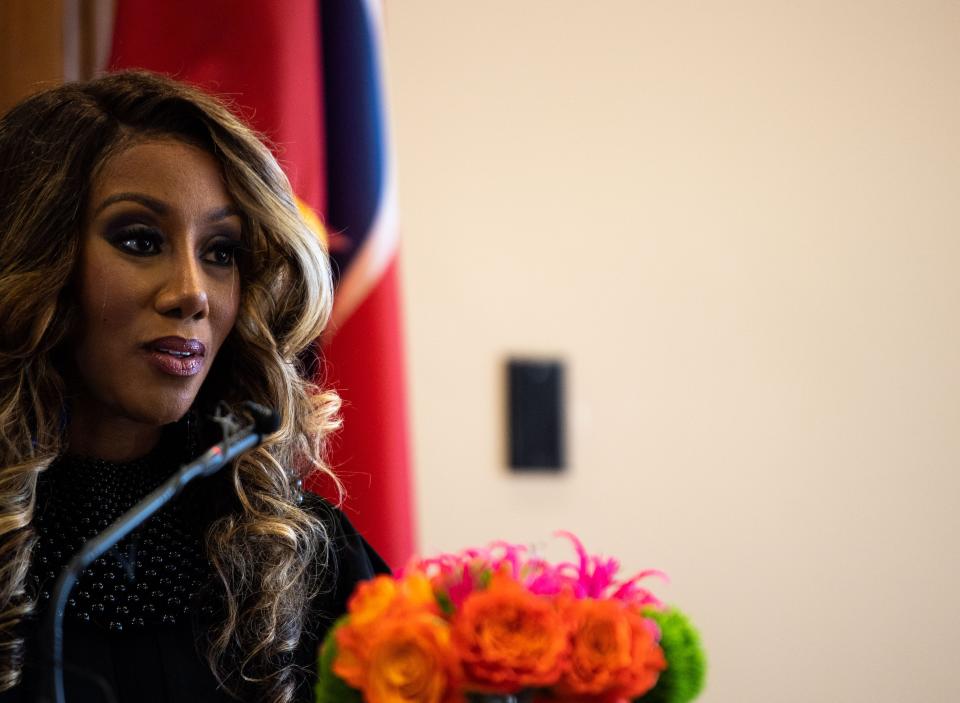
{"type": "Point", "coordinates": [142, 233]}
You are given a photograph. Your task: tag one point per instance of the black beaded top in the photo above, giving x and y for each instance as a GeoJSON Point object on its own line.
{"type": "Point", "coordinates": [158, 574]}
{"type": "Point", "coordinates": [138, 614]}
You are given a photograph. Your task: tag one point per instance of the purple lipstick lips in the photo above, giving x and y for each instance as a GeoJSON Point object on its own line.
{"type": "Point", "coordinates": [176, 356]}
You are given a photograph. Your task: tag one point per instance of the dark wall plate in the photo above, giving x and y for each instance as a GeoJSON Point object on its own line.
{"type": "Point", "coordinates": [535, 397]}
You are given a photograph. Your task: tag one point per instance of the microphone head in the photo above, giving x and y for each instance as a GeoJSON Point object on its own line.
{"type": "Point", "coordinates": [266, 420]}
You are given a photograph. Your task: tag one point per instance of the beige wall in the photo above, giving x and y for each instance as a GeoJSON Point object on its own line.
{"type": "Point", "coordinates": [738, 223]}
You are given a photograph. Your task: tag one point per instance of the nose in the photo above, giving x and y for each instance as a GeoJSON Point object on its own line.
{"type": "Point", "coordinates": [183, 294]}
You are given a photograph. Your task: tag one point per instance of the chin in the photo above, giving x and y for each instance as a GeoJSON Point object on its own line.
{"type": "Point", "coordinates": [161, 409]}
{"type": "Point", "coordinates": [160, 418]}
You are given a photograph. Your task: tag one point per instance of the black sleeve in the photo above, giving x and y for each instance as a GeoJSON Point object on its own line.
{"type": "Point", "coordinates": [351, 558]}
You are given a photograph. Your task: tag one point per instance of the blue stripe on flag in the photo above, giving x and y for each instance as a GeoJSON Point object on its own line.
{"type": "Point", "coordinates": [354, 114]}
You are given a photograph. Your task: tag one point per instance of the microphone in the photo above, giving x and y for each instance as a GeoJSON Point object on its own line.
{"type": "Point", "coordinates": [267, 420]}
{"type": "Point", "coordinates": [264, 421]}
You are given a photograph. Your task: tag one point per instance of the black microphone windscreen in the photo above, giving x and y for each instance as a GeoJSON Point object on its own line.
{"type": "Point", "coordinates": [266, 419]}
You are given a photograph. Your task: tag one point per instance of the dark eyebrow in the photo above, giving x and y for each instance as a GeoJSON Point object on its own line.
{"type": "Point", "coordinates": [161, 208]}
{"type": "Point", "coordinates": [222, 213]}
{"type": "Point", "coordinates": [145, 200]}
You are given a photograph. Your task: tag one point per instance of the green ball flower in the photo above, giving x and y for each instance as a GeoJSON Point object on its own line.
{"type": "Point", "coordinates": [686, 670]}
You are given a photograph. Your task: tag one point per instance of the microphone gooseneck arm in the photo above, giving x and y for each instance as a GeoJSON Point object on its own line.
{"type": "Point", "coordinates": [265, 421]}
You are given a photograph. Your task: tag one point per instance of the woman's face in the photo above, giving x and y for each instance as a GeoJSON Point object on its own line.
{"type": "Point", "coordinates": [158, 282]}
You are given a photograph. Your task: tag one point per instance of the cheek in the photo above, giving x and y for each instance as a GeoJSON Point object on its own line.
{"type": "Point", "coordinates": [224, 308]}
{"type": "Point", "coordinates": [111, 297]}
{"type": "Point", "coordinates": [108, 298]}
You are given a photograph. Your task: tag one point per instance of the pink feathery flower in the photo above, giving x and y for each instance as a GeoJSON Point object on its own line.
{"type": "Point", "coordinates": [595, 577]}
{"type": "Point", "coordinates": [457, 575]}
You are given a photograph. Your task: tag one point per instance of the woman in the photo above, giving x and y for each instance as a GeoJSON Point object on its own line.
{"type": "Point", "coordinates": [154, 270]}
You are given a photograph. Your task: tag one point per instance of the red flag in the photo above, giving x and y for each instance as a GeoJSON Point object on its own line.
{"type": "Point", "coordinates": [307, 73]}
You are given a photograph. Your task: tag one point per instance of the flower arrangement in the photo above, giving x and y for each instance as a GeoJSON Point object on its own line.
{"type": "Point", "coordinates": [501, 622]}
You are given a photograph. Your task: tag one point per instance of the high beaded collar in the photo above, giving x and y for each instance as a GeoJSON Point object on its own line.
{"type": "Point", "coordinates": [155, 576]}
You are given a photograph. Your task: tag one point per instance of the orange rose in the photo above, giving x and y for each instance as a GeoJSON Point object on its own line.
{"type": "Point", "coordinates": [508, 638]}
{"type": "Point", "coordinates": [647, 660]}
{"type": "Point", "coordinates": [613, 654]}
{"type": "Point", "coordinates": [406, 658]}
{"type": "Point", "coordinates": [417, 590]}
{"type": "Point", "coordinates": [375, 598]}
{"type": "Point", "coordinates": [372, 599]}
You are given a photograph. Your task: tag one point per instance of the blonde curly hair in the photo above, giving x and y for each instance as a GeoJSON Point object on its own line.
{"type": "Point", "coordinates": [266, 552]}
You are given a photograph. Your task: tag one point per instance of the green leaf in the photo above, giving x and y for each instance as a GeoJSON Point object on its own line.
{"type": "Point", "coordinates": [446, 605]}
{"type": "Point", "coordinates": [331, 688]}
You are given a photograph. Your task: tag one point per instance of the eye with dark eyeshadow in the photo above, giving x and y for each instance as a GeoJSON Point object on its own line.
{"type": "Point", "coordinates": [138, 240]}
{"type": "Point", "coordinates": [223, 252]}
